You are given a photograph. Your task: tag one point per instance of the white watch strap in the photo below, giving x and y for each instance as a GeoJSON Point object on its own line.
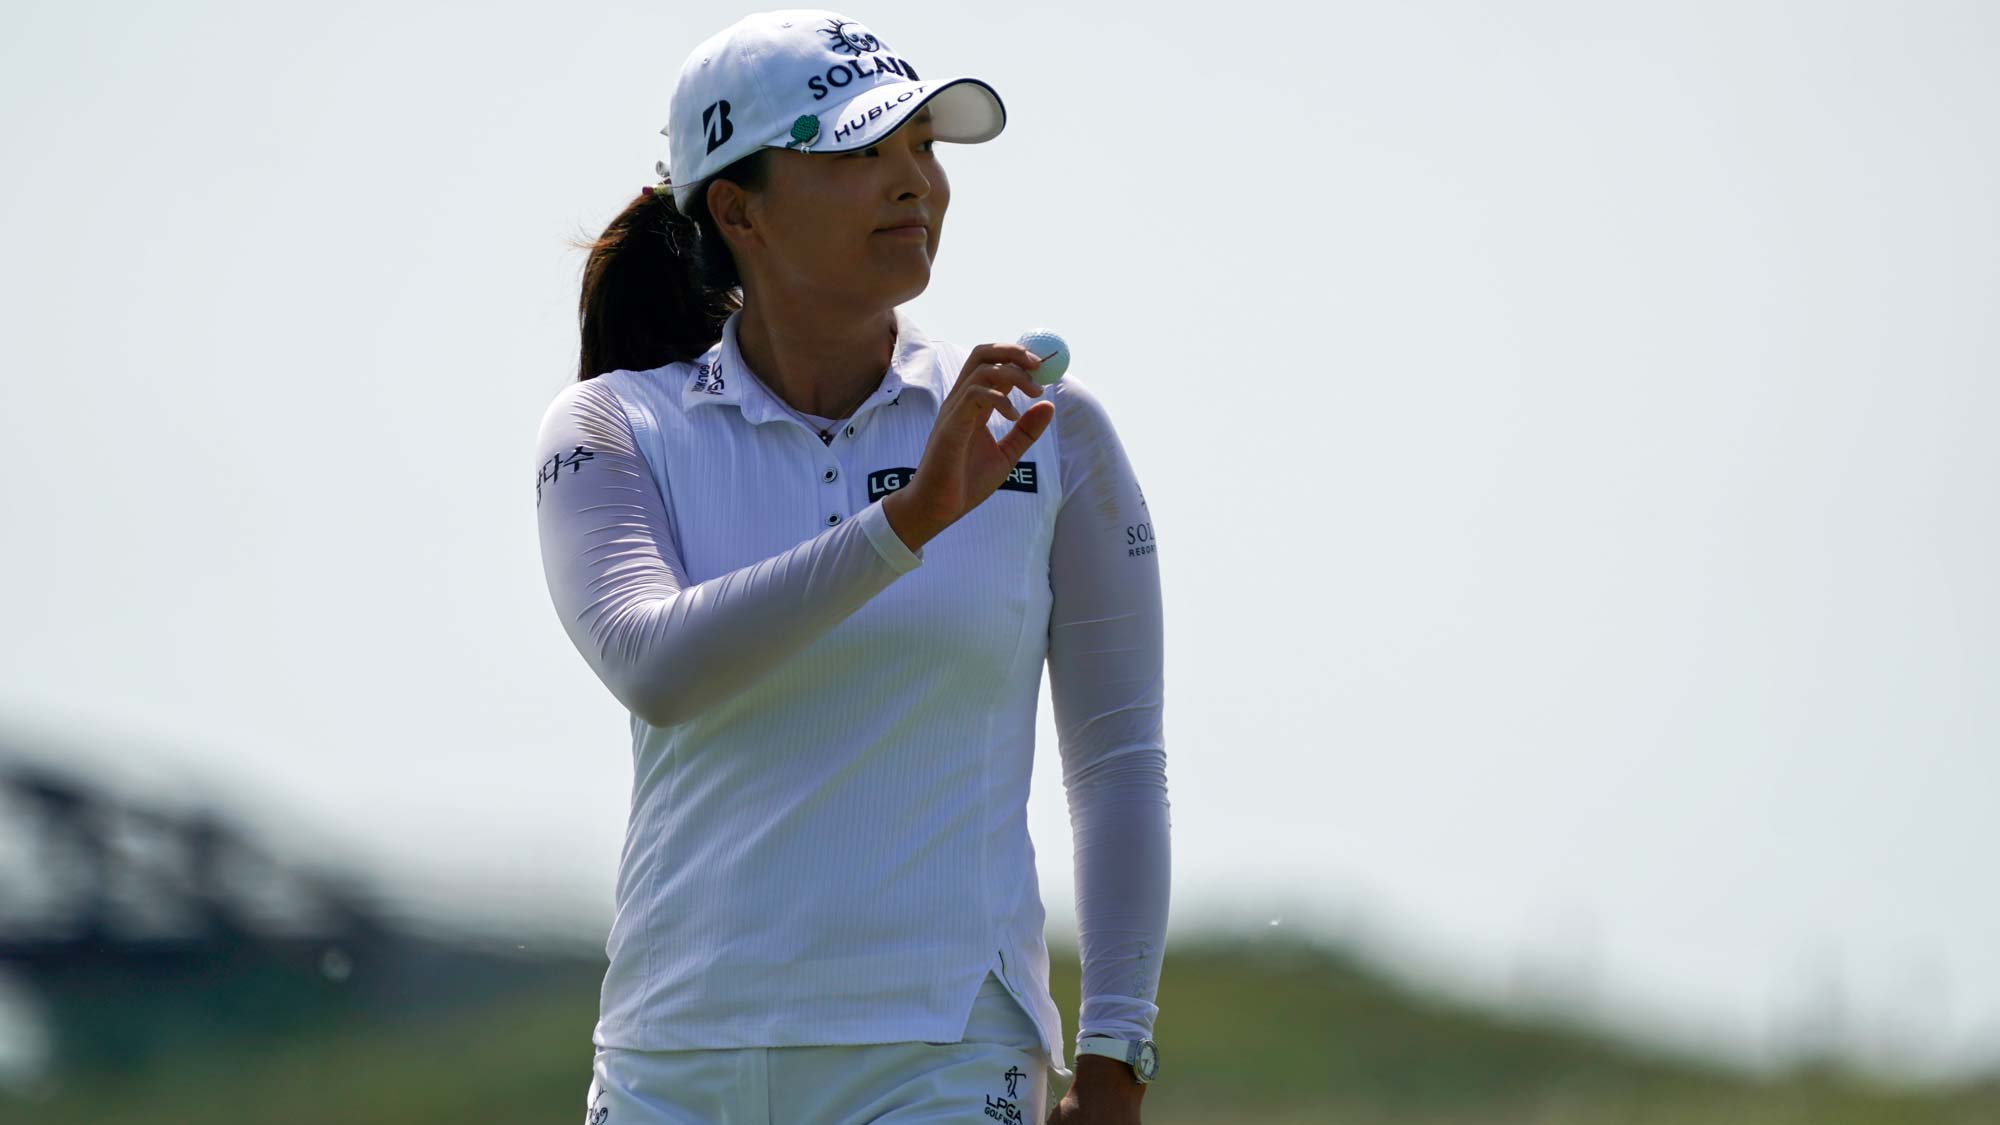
{"type": "Point", "coordinates": [1124, 1050]}
{"type": "Point", "coordinates": [1128, 1051]}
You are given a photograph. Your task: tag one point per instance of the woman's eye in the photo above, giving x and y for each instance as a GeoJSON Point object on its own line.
{"type": "Point", "coordinates": [929, 143]}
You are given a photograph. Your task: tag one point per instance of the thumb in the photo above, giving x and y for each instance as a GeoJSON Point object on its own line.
{"type": "Point", "coordinates": [1033, 421]}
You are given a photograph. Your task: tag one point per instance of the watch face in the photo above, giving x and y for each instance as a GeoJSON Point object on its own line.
{"type": "Point", "coordinates": [1149, 1061]}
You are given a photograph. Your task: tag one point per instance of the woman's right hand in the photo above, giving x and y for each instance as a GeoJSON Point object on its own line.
{"type": "Point", "coordinates": [962, 465]}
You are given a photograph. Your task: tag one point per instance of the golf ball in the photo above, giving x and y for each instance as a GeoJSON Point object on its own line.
{"type": "Point", "coordinates": [1051, 350]}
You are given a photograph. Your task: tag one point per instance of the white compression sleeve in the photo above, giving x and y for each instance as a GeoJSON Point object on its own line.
{"type": "Point", "coordinates": [667, 648]}
{"type": "Point", "coordinates": [1106, 679]}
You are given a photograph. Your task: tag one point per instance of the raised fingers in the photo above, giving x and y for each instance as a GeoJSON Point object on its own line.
{"type": "Point", "coordinates": [1026, 430]}
{"type": "Point", "coordinates": [1002, 353]}
{"type": "Point", "coordinates": [1008, 362]}
{"type": "Point", "coordinates": [1004, 375]}
{"type": "Point", "coordinates": [993, 399]}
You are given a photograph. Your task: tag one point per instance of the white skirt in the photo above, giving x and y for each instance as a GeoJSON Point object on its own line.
{"type": "Point", "coordinates": [997, 1071]}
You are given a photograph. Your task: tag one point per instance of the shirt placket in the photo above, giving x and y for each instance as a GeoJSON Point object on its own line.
{"type": "Point", "coordinates": [836, 503]}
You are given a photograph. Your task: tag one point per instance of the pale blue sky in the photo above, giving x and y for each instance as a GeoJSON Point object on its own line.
{"type": "Point", "coordinates": [1570, 432]}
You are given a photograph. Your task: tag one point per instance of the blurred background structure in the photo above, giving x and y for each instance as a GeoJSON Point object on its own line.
{"type": "Point", "coordinates": [158, 965]}
{"type": "Point", "coordinates": [1569, 430]}
{"type": "Point", "coordinates": [129, 932]}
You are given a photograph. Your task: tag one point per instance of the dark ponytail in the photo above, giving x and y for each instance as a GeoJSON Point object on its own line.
{"type": "Point", "coordinates": [659, 283]}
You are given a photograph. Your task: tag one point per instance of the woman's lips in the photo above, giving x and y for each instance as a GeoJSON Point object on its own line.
{"type": "Point", "coordinates": [917, 231]}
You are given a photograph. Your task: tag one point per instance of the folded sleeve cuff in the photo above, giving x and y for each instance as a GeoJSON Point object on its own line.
{"type": "Point", "coordinates": [887, 543]}
{"type": "Point", "coordinates": [1121, 1017]}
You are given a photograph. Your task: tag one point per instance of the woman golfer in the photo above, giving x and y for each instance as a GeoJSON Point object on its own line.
{"type": "Point", "coordinates": [821, 558]}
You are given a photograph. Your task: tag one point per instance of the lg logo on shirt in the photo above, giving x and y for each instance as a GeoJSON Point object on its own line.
{"type": "Point", "coordinates": [1022, 478]}
{"type": "Point", "coordinates": [882, 482]}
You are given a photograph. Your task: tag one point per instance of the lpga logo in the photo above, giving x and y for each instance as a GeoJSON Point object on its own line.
{"type": "Point", "coordinates": [708, 377]}
{"type": "Point", "coordinates": [1006, 1110]}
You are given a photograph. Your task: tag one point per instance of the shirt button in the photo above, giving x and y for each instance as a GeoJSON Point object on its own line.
{"type": "Point", "coordinates": [850, 431]}
{"type": "Point", "coordinates": [832, 518]}
{"type": "Point", "coordinates": [829, 474]}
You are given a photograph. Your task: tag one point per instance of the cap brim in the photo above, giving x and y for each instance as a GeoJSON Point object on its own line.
{"type": "Point", "coordinates": [963, 111]}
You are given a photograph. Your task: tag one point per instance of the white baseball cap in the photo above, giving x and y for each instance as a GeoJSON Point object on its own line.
{"type": "Point", "coordinates": [809, 80]}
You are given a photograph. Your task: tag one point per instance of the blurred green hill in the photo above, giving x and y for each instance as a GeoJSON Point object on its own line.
{"type": "Point", "coordinates": [1255, 1033]}
{"type": "Point", "coordinates": [181, 974]}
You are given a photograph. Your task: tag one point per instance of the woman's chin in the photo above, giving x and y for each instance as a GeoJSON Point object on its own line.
{"type": "Point", "coordinates": [907, 283]}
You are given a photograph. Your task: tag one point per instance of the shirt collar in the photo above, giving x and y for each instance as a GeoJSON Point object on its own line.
{"type": "Point", "coordinates": [721, 376]}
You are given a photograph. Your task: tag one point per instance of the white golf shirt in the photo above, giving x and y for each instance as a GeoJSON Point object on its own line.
{"type": "Point", "coordinates": [832, 734]}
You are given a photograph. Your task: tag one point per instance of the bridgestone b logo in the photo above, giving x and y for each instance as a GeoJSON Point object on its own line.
{"type": "Point", "coordinates": [715, 119]}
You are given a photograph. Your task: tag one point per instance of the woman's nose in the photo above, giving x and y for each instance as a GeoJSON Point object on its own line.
{"type": "Point", "coordinates": [910, 181]}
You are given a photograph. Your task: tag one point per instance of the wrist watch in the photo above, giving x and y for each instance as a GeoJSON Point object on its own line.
{"type": "Point", "coordinates": [1139, 1054]}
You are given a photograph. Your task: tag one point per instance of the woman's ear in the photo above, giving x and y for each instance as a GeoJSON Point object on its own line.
{"type": "Point", "coordinates": [729, 210]}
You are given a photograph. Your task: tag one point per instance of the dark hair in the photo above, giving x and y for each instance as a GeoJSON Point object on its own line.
{"type": "Point", "coordinates": [659, 282]}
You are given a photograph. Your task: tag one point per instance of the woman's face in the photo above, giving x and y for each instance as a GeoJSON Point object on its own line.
{"type": "Point", "coordinates": [818, 230]}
